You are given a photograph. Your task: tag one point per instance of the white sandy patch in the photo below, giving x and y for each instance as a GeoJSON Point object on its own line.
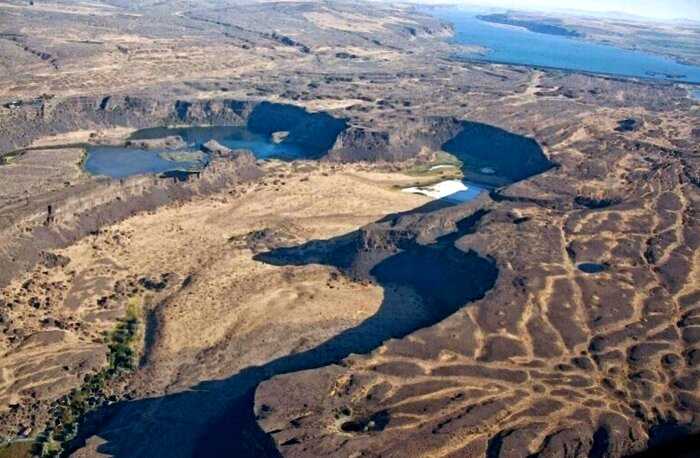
{"type": "Point", "coordinates": [455, 190]}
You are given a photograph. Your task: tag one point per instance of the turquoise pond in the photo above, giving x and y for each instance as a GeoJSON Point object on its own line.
{"type": "Point", "coordinates": [515, 45]}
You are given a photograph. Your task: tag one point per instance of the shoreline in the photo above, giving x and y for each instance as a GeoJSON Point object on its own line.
{"type": "Point", "coordinates": [582, 37]}
{"type": "Point", "coordinates": [455, 57]}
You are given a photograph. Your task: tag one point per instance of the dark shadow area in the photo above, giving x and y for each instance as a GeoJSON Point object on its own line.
{"type": "Point", "coordinates": [315, 132]}
{"type": "Point", "coordinates": [595, 204]}
{"type": "Point", "coordinates": [179, 175]}
{"type": "Point", "coordinates": [601, 443]}
{"type": "Point", "coordinates": [495, 157]}
{"type": "Point", "coordinates": [217, 418]}
{"type": "Point", "coordinates": [312, 133]}
{"type": "Point", "coordinates": [433, 205]}
{"type": "Point", "coordinates": [673, 441]}
{"type": "Point", "coordinates": [627, 125]}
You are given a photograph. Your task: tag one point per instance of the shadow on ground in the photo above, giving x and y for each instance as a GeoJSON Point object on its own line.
{"type": "Point", "coordinates": [216, 418]}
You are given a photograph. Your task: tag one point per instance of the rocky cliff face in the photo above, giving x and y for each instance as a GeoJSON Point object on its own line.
{"type": "Point", "coordinates": [401, 142]}
{"type": "Point", "coordinates": [61, 218]}
{"type": "Point", "coordinates": [320, 133]}
{"type": "Point", "coordinates": [43, 117]}
{"type": "Point", "coordinates": [50, 116]}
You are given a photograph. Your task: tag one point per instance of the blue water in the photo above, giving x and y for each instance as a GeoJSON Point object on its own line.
{"type": "Point", "coordinates": [592, 268]}
{"type": "Point", "coordinates": [122, 161]}
{"type": "Point", "coordinates": [519, 46]}
{"type": "Point", "coordinates": [233, 137]}
{"type": "Point", "coordinates": [471, 193]}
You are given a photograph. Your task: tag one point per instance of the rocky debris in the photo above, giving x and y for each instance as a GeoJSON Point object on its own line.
{"type": "Point", "coordinates": [217, 149]}
{"type": "Point", "coordinates": [21, 41]}
{"type": "Point", "coordinates": [596, 203]}
{"type": "Point", "coordinates": [170, 142]}
{"type": "Point", "coordinates": [266, 239]}
{"type": "Point", "coordinates": [346, 55]}
{"type": "Point", "coordinates": [53, 260]}
{"type": "Point", "coordinates": [628, 125]}
{"type": "Point", "coordinates": [279, 136]}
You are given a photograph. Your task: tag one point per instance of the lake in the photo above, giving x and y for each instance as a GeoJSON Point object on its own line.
{"type": "Point", "coordinates": [124, 161]}
{"type": "Point", "coordinates": [515, 45]}
{"type": "Point", "coordinates": [272, 131]}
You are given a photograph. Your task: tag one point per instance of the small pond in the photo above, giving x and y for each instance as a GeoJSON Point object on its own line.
{"type": "Point", "coordinates": [122, 162]}
{"type": "Point", "coordinates": [592, 268]}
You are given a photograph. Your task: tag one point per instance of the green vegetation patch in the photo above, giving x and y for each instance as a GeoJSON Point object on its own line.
{"type": "Point", "coordinates": [94, 391]}
{"type": "Point", "coordinates": [9, 158]}
{"type": "Point", "coordinates": [444, 164]}
{"type": "Point", "coordinates": [183, 156]}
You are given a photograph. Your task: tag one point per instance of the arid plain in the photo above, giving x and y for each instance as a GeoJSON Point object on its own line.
{"type": "Point", "coordinates": [246, 311]}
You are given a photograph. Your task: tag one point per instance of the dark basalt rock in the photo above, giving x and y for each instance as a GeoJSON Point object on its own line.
{"type": "Point", "coordinates": [595, 204]}
{"type": "Point", "coordinates": [627, 125]}
{"type": "Point", "coordinates": [51, 260]}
